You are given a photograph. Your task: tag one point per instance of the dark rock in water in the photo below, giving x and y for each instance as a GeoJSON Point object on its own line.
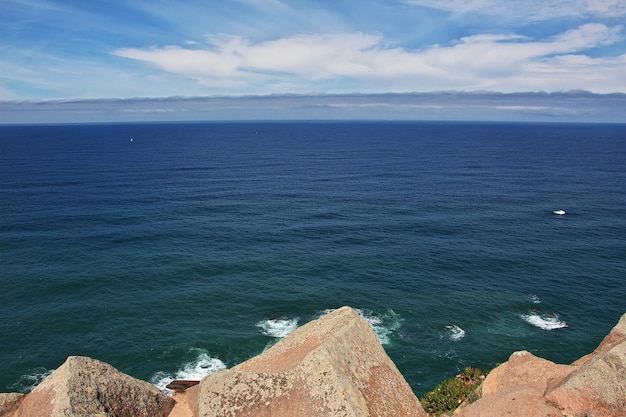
{"type": "Point", "coordinates": [181, 384]}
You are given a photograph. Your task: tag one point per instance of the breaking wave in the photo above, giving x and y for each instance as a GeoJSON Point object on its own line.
{"type": "Point", "coordinates": [545, 321]}
{"type": "Point", "coordinates": [202, 366]}
{"type": "Point", "coordinates": [454, 332]}
{"type": "Point", "coordinates": [278, 327]}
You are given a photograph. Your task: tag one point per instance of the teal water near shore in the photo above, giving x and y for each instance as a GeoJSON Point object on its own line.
{"type": "Point", "coordinates": [193, 247]}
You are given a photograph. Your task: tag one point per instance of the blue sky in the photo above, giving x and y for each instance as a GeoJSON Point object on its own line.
{"type": "Point", "coordinates": [77, 50]}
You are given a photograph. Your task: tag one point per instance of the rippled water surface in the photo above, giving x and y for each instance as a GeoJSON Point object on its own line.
{"type": "Point", "coordinates": [174, 250]}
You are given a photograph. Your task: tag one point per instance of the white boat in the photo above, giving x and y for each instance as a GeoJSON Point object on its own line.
{"type": "Point", "coordinates": [559, 212]}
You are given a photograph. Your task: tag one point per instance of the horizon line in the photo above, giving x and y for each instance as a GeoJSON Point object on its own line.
{"type": "Point", "coordinates": [581, 92]}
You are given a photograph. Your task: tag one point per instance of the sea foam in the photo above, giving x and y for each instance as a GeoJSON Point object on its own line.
{"type": "Point", "coordinates": [278, 327]}
{"type": "Point", "coordinates": [30, 380]}
{"type": "Point", "coordinates": [202, 366]}
{"type": "Point", "coordinates": [545, 321]}
{"type": "Point", "coordinates": [454, 332]}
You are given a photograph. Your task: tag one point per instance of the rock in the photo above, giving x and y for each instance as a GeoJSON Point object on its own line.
{"type": "Point", "coordinates": [179, 385]}
{"type": "Point", "coordinates": [523, 369]}
{"type": "Point", "coordinates": [333, 366]}
{"type": "Point", "coordinates": [593, 386]}
{"type": "Point", "coordinates": [525, 402]}
{"type": "Point", "coordinates": [598, 387]}
{"type": "Point", "coordinates": [84, 387]}
{"type": "Point", "coordinates": [182, 408]}
{"type": "Point", "coordinates": [516, 388]}
{"type": "Point", "coordinates": [617, 335]}
{"type": "Point", "coordinates": [9, 403]}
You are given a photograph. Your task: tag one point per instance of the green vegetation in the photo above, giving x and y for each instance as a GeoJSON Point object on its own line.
{"type": "Point", "coordinates": [451, 393]}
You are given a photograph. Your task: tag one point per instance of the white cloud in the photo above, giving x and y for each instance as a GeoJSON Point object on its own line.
{"type": "Point", "coordinates": [234, 58]}
{"type": "Point", "coordinates": [529, 9]}
{"type": "Point", "coordinates": [565, 72]}
{"type": "Point", "coordinates": [507, 54]}
{"type": "Point", "coordinates": [590, 35]}
{"type": "Point", "coordinates": [504, 62]}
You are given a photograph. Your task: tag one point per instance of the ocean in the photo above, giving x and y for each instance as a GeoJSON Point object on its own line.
{"type": "Point", "coordinates": [173, 250]}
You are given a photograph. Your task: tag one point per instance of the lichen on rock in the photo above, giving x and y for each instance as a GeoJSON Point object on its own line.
{"type": "Point", "coordinates": [85, 387]}
{"type": "Point", "coordinates": [333, 366]}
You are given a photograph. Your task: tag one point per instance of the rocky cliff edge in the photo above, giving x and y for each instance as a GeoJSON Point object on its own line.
{"type": "Point", "coordinates": [528, 386]}
{"type": "Point", "coordinates": [333, 366]}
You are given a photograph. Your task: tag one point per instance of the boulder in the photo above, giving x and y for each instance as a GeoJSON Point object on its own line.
{"type": "Point", "coordinates": [84, 387]}
{"type": "Point", "coordinates": [598, 387]}
{"type": "Point", "coordinates": [523, 369]}
{"type": "Point", "coordinates": [9, 403]}
{"type": "Point", "coordinates": [593, 386]}
{"type": "Point", "coordinates": [516, 388]}
{"type": "Point", "coordinates": [333, 366]}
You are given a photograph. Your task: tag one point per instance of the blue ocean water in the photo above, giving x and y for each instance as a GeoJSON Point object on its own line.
{"type": "Point", "coordinates": [173, 250]}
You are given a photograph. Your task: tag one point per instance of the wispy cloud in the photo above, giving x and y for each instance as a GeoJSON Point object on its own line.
{"type": "Point", "coordinates": [529, 9]}
{"type": "Point", "coordinates": [364, 62]}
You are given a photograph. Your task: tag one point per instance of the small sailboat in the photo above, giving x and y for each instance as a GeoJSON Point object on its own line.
{"type": "Point", "coordinates": [559, 212]}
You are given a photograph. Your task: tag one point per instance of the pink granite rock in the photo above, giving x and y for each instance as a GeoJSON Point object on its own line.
{"type": "Point", "coordinates": [617, 335]}
{"type": "Point", "coordinates": [84, 387]}
{"type": "Point", "coordinates": [9, 403]}
{"type": "Point", "coordinates": [333, 366]}
{"type": "Point", "coordinates": [598, 387]}
{"type": "Point", "coordinates": [516, 388]}
{"type": "Point", "coordinates": [523, 369]}
{"type": "Point", "coordinates": [594, 386]}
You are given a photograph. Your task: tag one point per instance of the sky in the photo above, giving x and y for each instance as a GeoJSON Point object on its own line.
{"type": "Point", "coordinates": [134, 54]}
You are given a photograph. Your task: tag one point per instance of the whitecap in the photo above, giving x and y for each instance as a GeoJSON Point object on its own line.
{"type": "Point", "coordinates": [454, 332]}
{"type": "Point", "coordinates": [545, 321]}
{"type": "Point", "coordinates": [278, 327]}
{"type": "Point", "coordinates": [202, 366]}
{"type": "Point", "coordinates": [534, 299]}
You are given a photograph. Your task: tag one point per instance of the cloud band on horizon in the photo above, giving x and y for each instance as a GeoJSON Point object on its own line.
{"type": "Point", "coordinates": [573, 106]}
